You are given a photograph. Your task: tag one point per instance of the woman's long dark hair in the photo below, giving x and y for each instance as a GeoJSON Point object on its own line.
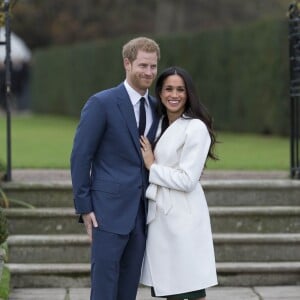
{"type": "Point", "coordinates": [193, 107]}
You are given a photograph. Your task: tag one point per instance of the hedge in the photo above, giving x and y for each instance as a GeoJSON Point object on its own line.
{"type": "Point", "coordinates": [241, 74]}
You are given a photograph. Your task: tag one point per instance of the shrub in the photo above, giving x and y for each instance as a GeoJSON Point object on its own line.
{"type": "Point", "coordinates": [3, 227]}
{"type": "Point", "coordinates": [241, 74]}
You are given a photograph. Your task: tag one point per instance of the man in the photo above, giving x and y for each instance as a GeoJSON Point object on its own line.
{"type": "Point", "coordinates": [108, 174]}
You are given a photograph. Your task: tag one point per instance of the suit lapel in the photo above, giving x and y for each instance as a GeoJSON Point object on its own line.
{"type": "Point", "coordinates": [152, 131]}
{"type": "Point", "coordinates": [127, 111]}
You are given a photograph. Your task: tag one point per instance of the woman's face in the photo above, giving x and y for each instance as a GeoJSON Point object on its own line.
{"type": "Point", "coordinates": [174, 95]}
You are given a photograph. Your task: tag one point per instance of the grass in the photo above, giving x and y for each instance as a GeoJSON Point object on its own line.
{"type": "Point", "coordinates": [46, 142]}
{"type": "Point", "coordinates": [5, 277]}
{"type": "Point", "coordinates": [39, 141]}
{"type": "Point", "coordinates": [4, 284]}
{"type": "Point", "coordinates": [251, 152]}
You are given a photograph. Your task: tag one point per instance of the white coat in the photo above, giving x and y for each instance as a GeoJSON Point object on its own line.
{"type": "Point", "coordinates": [179, 253]}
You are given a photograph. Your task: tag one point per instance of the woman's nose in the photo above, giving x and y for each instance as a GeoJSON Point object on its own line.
{"type": "Point", "coordinates": [174, 93]}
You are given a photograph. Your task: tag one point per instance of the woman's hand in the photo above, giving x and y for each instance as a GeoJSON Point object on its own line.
{"type": "Point", "coordinates": [147, 152]}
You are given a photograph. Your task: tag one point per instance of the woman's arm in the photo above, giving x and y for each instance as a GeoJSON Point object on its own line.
{"type": "Point", "coordinates": [191, 163]}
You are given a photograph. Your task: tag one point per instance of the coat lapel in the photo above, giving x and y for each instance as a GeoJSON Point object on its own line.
{"type": "Point", "coordinates": [127, 111]}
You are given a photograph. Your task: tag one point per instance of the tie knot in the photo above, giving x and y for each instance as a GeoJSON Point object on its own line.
{"type": "Point", "coordinates": [142, 100]}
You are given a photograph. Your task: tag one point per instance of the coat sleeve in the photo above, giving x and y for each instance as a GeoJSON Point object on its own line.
{"type": "Point", "coordinates": [87, 138]}
{"type": "Point", "coordinates": [191, 163]}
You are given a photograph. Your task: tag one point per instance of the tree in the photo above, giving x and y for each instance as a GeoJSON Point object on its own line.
{"type": "Point", "coordinates": [42, 23]}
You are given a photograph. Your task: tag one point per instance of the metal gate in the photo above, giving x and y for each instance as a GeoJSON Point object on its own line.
{"type": "Point", "coordinates": [294, 46]}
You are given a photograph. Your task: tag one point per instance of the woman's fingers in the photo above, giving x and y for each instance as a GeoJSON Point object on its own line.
{"type": "Point", "coordinates": [145, 143]}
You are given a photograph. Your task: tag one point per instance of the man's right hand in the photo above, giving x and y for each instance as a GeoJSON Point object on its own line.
{"type": "Point", "coordinates": [89, 222]}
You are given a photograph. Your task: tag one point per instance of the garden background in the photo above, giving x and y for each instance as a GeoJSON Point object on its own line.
{"type": "Point", "coordinates": [236, 53]}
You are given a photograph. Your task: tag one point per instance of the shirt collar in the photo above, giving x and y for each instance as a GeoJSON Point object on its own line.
{"type": "Point", "coordinates": [134, 95]}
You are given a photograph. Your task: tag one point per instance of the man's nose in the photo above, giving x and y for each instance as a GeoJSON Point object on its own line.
{"type": "Point", "coordinates": [148, 70]}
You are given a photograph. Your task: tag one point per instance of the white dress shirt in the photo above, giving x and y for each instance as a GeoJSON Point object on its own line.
{"type": "Point", "coordinates": [135, 100]}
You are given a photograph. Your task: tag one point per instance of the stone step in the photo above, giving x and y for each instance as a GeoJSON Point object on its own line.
{"type": "Point", "coordinates": [40, 194]}
{"type": "Point", "coordinates": [244, 219]}
{"type": "Point", "coordinates": [255, 219]}
{"type": "Point", "coordinates": [286, 292]}
{"type": "Point", "coordinates": [258, 273]}
{"type": "Point", "coordinates": [229, 274]}
{"type": "Point", "coordinates": [48, 248]}
{"type": "Point", "coordinates": [83, 293]}
{"type": "Point", "coordinates": [58, 220]}
{"type": "Point", "coordinates": [219, 192]}
{"type": "Point", "coordinates": [228, 248]}
{"type": "Point", "coordinates": [262, 192]}
{"type": "Point", "coordinates": [240, 247]}
{"type": "Point", "coordinates": [49, 275]}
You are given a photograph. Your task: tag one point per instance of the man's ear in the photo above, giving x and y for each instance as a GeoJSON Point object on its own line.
{"type": "Point", "coordinates": [127, 64]}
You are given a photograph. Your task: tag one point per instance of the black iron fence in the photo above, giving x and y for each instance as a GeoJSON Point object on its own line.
{"type": "Point", "coordinates": [294, 45]}
{"type": "Point", "coordinates": [5, 7]}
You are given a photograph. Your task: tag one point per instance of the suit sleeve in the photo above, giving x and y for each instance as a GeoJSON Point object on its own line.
{"type": "Point", "coordinates": [192, 160]}
{"type": "Point", "coordinates": [87, 138]}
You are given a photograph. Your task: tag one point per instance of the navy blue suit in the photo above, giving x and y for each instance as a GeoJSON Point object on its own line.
{"type": "Point", "coordinates": [109, 178]}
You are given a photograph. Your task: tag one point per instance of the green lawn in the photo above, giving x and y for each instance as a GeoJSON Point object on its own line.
{"type": "Point", "coordinates": [251, 152]}
{"type": "Point", "coordinates": [39, 141]}
{"type": "Point", "coordinates": [46, 141]}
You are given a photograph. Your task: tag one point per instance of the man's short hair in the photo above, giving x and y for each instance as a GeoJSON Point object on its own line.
{"type": "Point", "coordinates": [131, 48]}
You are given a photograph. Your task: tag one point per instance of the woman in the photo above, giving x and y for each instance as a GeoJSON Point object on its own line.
{"type": "Point", "coordinates": [179, 260]}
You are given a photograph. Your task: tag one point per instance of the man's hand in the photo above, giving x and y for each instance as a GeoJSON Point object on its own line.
{"type": "Point", "coordinates": [89, 222]}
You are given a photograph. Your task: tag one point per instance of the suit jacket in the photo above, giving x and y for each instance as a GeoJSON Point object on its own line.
{"type": "Point", "coordinates": [107, 168]}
